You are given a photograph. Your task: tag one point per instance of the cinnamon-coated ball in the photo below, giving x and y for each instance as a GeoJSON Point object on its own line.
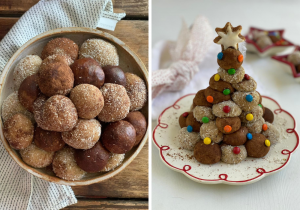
{"type": "Point", "coordinates": [56, 58]}
{"type": "Point", "coordinates": [114, 74]}
{"type": "Point", "coordinates": [139, 122]}
{"type": "Point", "coordinates": [50, 141]}
{"type": "Point", "coordinates": [230, 59]}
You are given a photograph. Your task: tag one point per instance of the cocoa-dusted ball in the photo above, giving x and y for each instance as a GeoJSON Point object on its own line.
{"type": "Point", "coordinates": [88, 71]}
{"type": "Point", "coordinates": [116, 103]}
{"type": "Point", "coordinates": [59, 114]}
{"type": "Point", "coordinates": [230, 59]}
{"type": "Point", "coordinates": [114, 74]}
{"type": "Point", "coordinates": [136, 90]}
{"type": "Point", "coordinates": [55, 79]}
{"type": "Point", "coordinates": [119, 137]}
{"type": "Point", "coordinates": [139, 122]}
{"type": "Point", "coordinates": [92, 160]}
{"type": "Point", "coordinates": [88, 100]}
{"type": "Point", "coordinates": [192, 121]}
{"type": "Point", "coordinates": [50, 141]}
{"type": "Point", "coordinates": [18, 131]}
{"type": "Point", "coordinates": [207, 154]}
{"type": "Point", "coordinates": [256, 146]}
{"type": "Point", "coordinates": [228, 125]}
{"type": "Point", "coordinates": [61, 46]}
{"type": "Point", "coordinates": [29, 92]}
{"type": "Point", "coordinates": [200, 100]}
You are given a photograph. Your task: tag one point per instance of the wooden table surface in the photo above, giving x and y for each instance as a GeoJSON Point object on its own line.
{"type": "Point", "coordinates": [128, 189]}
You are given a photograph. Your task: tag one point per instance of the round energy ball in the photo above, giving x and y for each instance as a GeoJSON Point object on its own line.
{"type": "Point", "coordinates": [203, 111]}
{"type": "Point", "coordinates": [211, 131]}
{"type": "Point", "coordinates": [113, 162]}
{"type": "Point", "coordinates": [84, 135]}
{"type": "Point", "coordinates": [36, 157]}
{"type": "Point", "coordinates": [60, 46]}
{"type": "Point", "coordinates": [114, 74]}
{"type": "Point", "coordinates": [264, 41]}
{"type": "Point", "coordinates": [136, 90]}
{"type": "Point", "coordinates": [191, 121]}
{"type": "Point", "coordinates": [251, 116]}
{"type": "Point", "coordinates": [256, 146]}
{"type": "Point", "coordinates": [56, 58]}
{"type": "Point", "coordinates": [88, 71]}
{"type": "Point", "coordinates": [294, 58]}
{"type": "Point", "coordinates": [26, 67]}
{"type": "Point", "coordinates": [103, 52]}
{"type": "Point", "coordinates": [246, 85]}
{"type": "Point", "coordinates": [65, 166]}
{"type": "Point", "coordinates": [50, 141]}
{"type": "Point", "coordinates": [235, 78]}
{"type": "Point", "coordinates": [187, 140]}
{"type": "Point", "coordinates": [88, 100]}
{"type": "Point", "coordinates": [230, 59]}
{"type": "Point", "coordinates": [272, 133]}
{"type": "Point", "coordinates": [241, 99]}
{"type": "Point", "coordinates": [18, 131]}
{"type": "Point", "coordinates": [226, 109]}
{"type": "Point", "coordinates": [255, 127]}
{"type": "Point", "coordinates": [237, 138]}
{"type": "Point", "coordinates": [228, 156]}
{"type": "Point", "coordinates": [207, 154]}
{"type": "Point", "coordinates": [38, 106]}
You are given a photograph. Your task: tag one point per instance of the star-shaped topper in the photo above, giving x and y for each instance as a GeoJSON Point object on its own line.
{"type": "Point", "coordinates": [229, 36]}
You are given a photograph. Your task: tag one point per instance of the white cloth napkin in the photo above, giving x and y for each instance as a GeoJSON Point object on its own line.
{"type": "Point", "coordinates": [18, 189]}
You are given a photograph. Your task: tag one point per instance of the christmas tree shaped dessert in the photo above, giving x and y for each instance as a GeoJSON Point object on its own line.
{"type": "Point", "coordinates": [227, 120]}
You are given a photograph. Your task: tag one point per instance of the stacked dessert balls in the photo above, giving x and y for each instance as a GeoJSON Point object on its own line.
{"type": "Point", "coordinates": [264, 39]}
{"type": "Point", "coordinates": [227, 120]}
{"type": "Point", "coordinates": [74, 109]}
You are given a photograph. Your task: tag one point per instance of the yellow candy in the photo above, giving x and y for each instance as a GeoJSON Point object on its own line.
{"type": "Point", "coordinates": [207, 140]}
{"type": "Point", "coordinates": [267, 143]}
{"type": "Point", "coordinates": [217, 77]}
{"type": "Point", "coordinates": [249, 117]}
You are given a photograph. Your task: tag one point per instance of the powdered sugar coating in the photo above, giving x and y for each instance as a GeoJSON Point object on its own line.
{"type": "Point", "coordinates": [84, 135]}
{"type": "Point", "coordinates": [100, 50]}
{"type": "Point", "coordinates": [264, 41]}
{"type": "Point", "coordinates": [202, 111]}
{"type": "Point", "coordinates": [246, 85]}
{"type": "Point", "coordinates": [240, 99]}
{"type": "Point", "coordinates": [26, 67]}
{"type": "Point", "coordinates": [11, 105]}
{"type": "Point", "coordinates": [116, 103]}
{"type": "Point", "coordinates": [272, 133]}
{"type": "Point", "coordinates": [64, 165]}
{"type": "Point", "coordinates": [114, 161]}
{"type": "Point", "coordinates": [36, 157]}
{"type": "Point", "coordinates": [235, 110]}
{"type": "Point", "coordinates": [255, 127]}
{"type": "Point", "coordinates": [187, 140]}
{"type": "Point", "coordinates": [294, 58]}
{"type": "Point", "coordinates": [211, 131]}
{"type": "Point", "coordinates": [229, 157]}
{"type": "Point", "coordinates": [257, 113]}
{"type": "Point", "coordinates": [235, 78]}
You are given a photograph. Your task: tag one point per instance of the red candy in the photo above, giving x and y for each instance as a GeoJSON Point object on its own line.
{"type": "Point", "coordinates": [185, 114]}
{"type": "Point", "coordinates": [226, 109]}
{"type": "Point", "coordinates": [247, 77]}
{"type": "Point", "coordinates": [236, 150]}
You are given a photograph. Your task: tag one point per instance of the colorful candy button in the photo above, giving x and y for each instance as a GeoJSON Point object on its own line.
{"type": "Point", "coordinates": [207, 141]}
{"type": "Point", "coordinates": [210, 99]}
{"type": "Point", "coordinates": [267, 143]}
{"type": "Point", "coordinates": [231, 71]}
{"type": "Point", "coordinates": [185, 114]}
{"type": "Point", "coordinates": [217, 77]}
{"type": "Point", "coordinates": [260, 105]}
{"type": "Point", "coordinates": [226, 92]}
{"type": "Point", "coordinates": [226, 109]}
{"type": "Point", "coordinates": [220, 55]}
{"type": "Point", "coordinates": [227, 128]}
{"type": "Point", "coordinates": [249, 98]}
{"type": "Point", "coordinates": [265, 127]}
{"type": "Point", "coordinates": [240, 58]}
{"type": "Point", "coordinates": [189, 128]}
{"type": "Point", "coordinates": [249, 117]}
{"type": "Point", "coordinates": [236, 150]}
{"type": "Point", "coordinates": [249, 136]}
{"type": "Point", "coordinates": [246, 76]}
{"type": "Point", "coordinates": [205, 119]}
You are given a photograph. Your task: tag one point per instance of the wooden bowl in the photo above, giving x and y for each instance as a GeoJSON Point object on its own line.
{"type": "Point", "coordinates": [129, 62]}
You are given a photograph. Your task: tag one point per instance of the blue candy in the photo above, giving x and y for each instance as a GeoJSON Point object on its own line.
{"type": "Point", "coordinates": [220, 55]}
{"type": "Point", "coordinates": [249, 98]}
{"type": "Point", "coordinates": [249, 136]}
{"type": "Point", "coordinates": [189, 128]}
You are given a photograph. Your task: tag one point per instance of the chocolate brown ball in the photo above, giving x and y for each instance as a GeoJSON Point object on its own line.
{"type": "Point", "coordinates": [50, 141]}
{"type": "Point", "coordinates": [207, 154]}
{"type": "Point", "coordinates": [230, 59]}
{"type": "Point", "coordinates": [191, 120]}
{"type": "Point", "coordinates": [88, 100]}
{"type": "Point", "coordinates": [38, 110]}
{"type": "Point", "coordinates": [55, 79]}
{"type": "Point", "coordinates": [237, 138]}
{"type": "Point", "coordinates": [200, 100]}
{"type": "Point", "coordinates": [139, 122]}
{"type": "Point", "coordinates": [233, 122]}
{"type": "Point", "coordinates": [29, 92]}
{"type": "Point", "coordinates": [92, 160]}
{"type": "Point", "coordinates": [88, 71]}
{"type": "Point", "coordinates": [119, 137]}
{"type": "Point", "coordinates": [220, 85]}
{"type": "Point", "coordinates": [61, 46]}
{"type": "Point", "coordinates": [114, 74]}
{"type": "Point", "coordinates": [256, 146]}
{"type": "Point", "coordinates": [217, 96]}
{"type": "Point", "coordinates": [268, 115]}
{"type": "Point", "coordinates": [182, 119]}
{"type": "Point", "coordinates": [116, 103]}
{"type": "Point", "coordinates": [18, 131]}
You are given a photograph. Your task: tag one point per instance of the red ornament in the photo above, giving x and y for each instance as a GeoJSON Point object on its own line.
{"type": "Point", "coordinates": [236, 150]}
{"type": "Point", "coordinates": [226, 109]}
{"type": "Point", "coordinates": [247, 77]}
{"type": "Point", "coordinates": [185, 114]}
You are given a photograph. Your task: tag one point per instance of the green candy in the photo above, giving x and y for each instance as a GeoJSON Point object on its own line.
{"type": "Point", "coordinates": [226, 92]}
{"type": "Point", "coordinates": [231, 71]}
{"type": "Point", "coordinates": [205, 119]}
{"type": "Point", "coordinates": [260, 105]}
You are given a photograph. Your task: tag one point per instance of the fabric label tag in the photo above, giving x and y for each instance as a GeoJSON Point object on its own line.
{"type": "Point", "coordinates": [107, 23]}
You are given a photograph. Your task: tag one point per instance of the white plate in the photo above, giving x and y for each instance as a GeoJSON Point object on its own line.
{"type": "Point", "coordinates": [248, 171]}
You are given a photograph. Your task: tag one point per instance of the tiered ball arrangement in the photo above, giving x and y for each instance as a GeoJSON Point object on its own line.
{"type": "Point", "coordinates": [227, 121]}
{"type": "Point", "coordinates": [80, 115]}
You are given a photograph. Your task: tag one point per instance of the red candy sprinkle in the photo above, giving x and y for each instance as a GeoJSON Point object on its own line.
{"type": "Point", "coordinates": [236, 150]}
{"type": "Point", "coordinates": [185, 114]}
{"type": "Point", "coordinates": [247, 77]}
{"type": "Point", "coordinates": [226, 109]}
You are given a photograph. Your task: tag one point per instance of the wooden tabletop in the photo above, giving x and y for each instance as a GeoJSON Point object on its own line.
{"type": "Point", "coordinates": [128, 189]}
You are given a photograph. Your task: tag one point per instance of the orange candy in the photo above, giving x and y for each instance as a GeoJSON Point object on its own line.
{"type": "Point", "coordinates": [227, 128]}
{"type": "Point", "coordinates": [240, 58]}
{"type": "Point", "coordinates": [265, 127]}
{"type": "Point", "coordinates": [210, 99]}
